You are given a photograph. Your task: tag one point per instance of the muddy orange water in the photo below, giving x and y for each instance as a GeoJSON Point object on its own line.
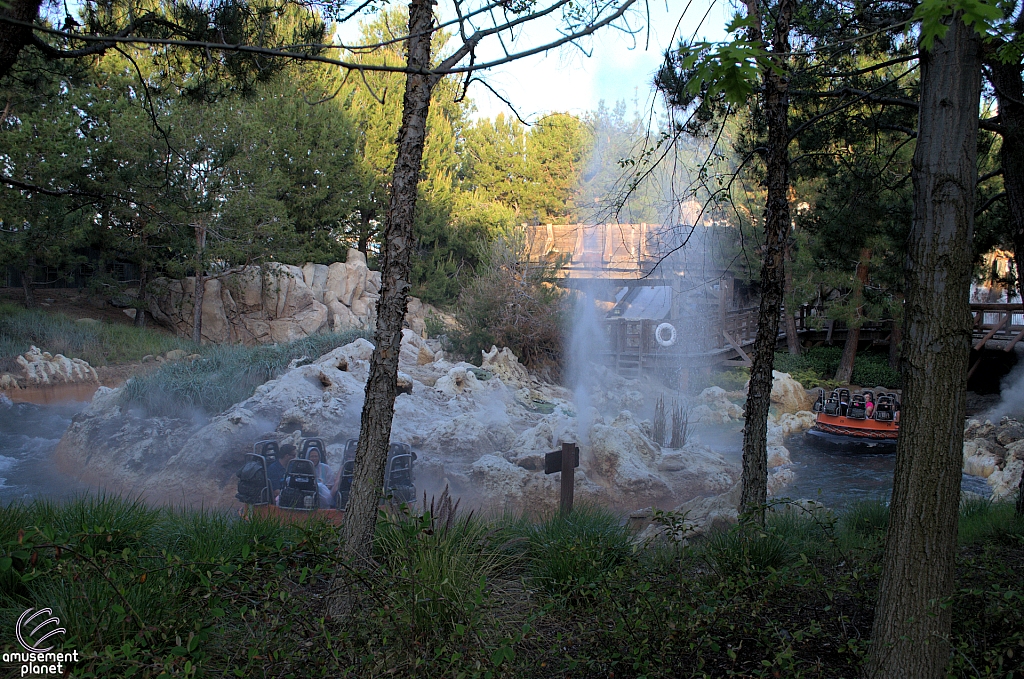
{"type": "Point", "coordinates": [56, 393]}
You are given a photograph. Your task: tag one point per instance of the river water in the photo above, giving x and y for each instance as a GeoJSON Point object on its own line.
{"type": "Point", "coordinates": [28, 435]}
{"type": "Point", "coordinates": [829, 470]}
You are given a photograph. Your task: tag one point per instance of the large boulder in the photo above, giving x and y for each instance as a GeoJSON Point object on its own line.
{"type": "Point", "coordinates": [505, 365]}
{"type": "Point", "coordinates": [622, 458]}
{"type": "Point", "coordinates": [995, 452]}
{"type": "Point", "coordinates": [252, 305]}
{"type": "Point", "coordinates": [40, 369]}
{"type": "Point", "coordinates": [714, 407]}
{"type": "Point", "coordinates": [788, 395]}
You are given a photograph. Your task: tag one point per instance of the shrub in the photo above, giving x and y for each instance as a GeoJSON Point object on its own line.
{"type": "Point", "coordinates": [733, 379]}
{"type": "Point", "coordinates": [872, 370]}
{"type": "Point", "coordinates": [514, 304]}
{"type": "Point", "coordinates": [816, 368]}
{"type": "Point", "coordinates": [224, 376]}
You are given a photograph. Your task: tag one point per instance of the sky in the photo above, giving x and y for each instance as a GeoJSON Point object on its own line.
{"type": "Point", "coordinates": [621, 66]}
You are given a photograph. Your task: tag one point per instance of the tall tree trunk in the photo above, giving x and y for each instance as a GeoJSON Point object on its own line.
{"type": "Point", "coordinates": [1009, 88]}
{"type": "Point", "coordinates": [13, 38]}
{"type": "Point", "coordinates": [28, 273]}
{"type": "Point", "coordinates": [792, 338]}
{"type": "Point", "coordinates": [396, 250]}
{"type": "Point", "coordinates": [754, 493]}
{"type": "Point", "coordinates": [845, 371]}
{"type": "Point", "coordinates": [200, 285]}
{"type": "Point", "coordinates": [140, 306]}
{"type": "Point", "coordinates": [910, 637]}
{"type": "Point", "coordinates": [366, 216]}
{"type": "Point", "coordinates": [895, 339]}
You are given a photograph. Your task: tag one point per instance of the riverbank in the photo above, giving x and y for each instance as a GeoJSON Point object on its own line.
{"type": "Point", "coordinates": [143, 592]}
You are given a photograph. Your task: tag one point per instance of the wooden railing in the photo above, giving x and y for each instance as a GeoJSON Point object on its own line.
{"type": "Point", "coordinates": [998, 322]}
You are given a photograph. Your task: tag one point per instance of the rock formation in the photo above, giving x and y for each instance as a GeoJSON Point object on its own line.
{"type": "Point", "coordinates": [995, 452]}
{"type": "Point", "coordinates": [42, 369]}
{"type": "Point", "coordinates": [481, 431]}
{"type": "Point", "coordinates": [278, 303]}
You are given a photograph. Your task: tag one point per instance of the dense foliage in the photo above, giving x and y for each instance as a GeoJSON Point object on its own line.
{"type": "Point", "coordinates": [159, 593]}
{"type": "Point", "coordinates": [129, 157]}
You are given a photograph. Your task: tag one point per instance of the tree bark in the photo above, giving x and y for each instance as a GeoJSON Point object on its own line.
{"type": "Point", "coordinates": [895, 339]}
{"type": "Point", "coordinates": [792, 338]}
{"type": "Point", "coordinates": [27, 274]}
{"type": "Point", "coordinates": [1008, 83]}
{"type": "Point", "coordinates": [754, 493]}
{"type": "Point", "coordinates": [910, 637]}
{"type": "Point", "coordinates": [395, 256]}
{"type": "Point", "coordinates": [200, 285]}
{"type": "Point", "coordinates": [845, 371]}
{"type": "Point", "coordinates": [14, 38]}
{"type": "Point", "coordinates": [140, 306]}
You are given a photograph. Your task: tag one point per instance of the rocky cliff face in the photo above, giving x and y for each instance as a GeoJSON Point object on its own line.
{"type": "Point", "coordinates": [278, 303]}
{"type": "Point", "coordinates": [996, 453]}
{"type": "Point", "coordinates": [482, 431]}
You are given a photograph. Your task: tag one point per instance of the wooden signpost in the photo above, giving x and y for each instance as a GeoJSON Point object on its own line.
{"type": "Point", "coordinates": [565, 461]}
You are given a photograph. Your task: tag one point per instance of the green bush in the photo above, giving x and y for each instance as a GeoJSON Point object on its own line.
{"type": "Point", "coordinates": [224, 376]}
{"type": "Point", "coordinates": [512, 303]}
{"type": "Point", "coordinates": [98, 343]}
{"type": "Point", "coordinates": [817, 367]}
{"type": "Point", "coordinates": [872, 370]}
{"type": "Point", "coordinates": [733, 379]}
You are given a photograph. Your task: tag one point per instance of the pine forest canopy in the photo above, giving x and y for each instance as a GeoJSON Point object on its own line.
{"type": "Point", "coordinates": [128, 151]}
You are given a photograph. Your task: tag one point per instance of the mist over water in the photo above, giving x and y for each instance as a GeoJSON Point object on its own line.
{"type": "Point", "coordinates": [587, 342]}
{"type": "Point", "coordinates": [1011, 397]}
{"type": "Point", "coordinates": [29, 433]}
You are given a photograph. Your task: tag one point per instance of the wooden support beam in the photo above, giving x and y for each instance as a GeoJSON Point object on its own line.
{"type": "Point", "coordinates": [1009, 347]}
{"type": "Point", "coordinates": [973, 368]}
{"type": "Point", "coordinates": [736, 345]}
{"type": "Point", "coordinates": [991, 333]}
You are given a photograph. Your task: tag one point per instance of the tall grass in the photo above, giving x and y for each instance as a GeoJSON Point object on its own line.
{"type": "Point", "coordinates": [569, 554]}
{"type": "Point", "coordinates": [440, 567]}
{"type": "Point", "coordinates": [98, 343]}
{"type": "Point", "coordinates": [150, 592]}
{"type": "Point", "coordinates": [981, 519]}
{"type": "Point", "coordinates": [227, 374]}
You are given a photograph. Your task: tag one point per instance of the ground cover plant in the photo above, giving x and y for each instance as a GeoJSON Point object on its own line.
{"type": "Point", "coordinates": [817, 368]}
{"type": "Point", "coordinates": [98, 342]}
{"type": "Point", "coordinates": [158, 592]}
{"type": "Point", "coordinates": [225, 375]}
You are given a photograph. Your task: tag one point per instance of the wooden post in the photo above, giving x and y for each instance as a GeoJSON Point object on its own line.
{"type": "Point", "coordinates": [568, 476]}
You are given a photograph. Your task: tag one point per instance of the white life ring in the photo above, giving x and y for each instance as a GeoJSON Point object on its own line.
{"type": "Point", "coordinates": [670, 340]}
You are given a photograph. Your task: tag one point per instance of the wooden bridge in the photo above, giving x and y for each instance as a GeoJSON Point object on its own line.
{"type": "Point", "coordinates": [723, 336]}
{"type": "Point", "coordinates": [711, 324]}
